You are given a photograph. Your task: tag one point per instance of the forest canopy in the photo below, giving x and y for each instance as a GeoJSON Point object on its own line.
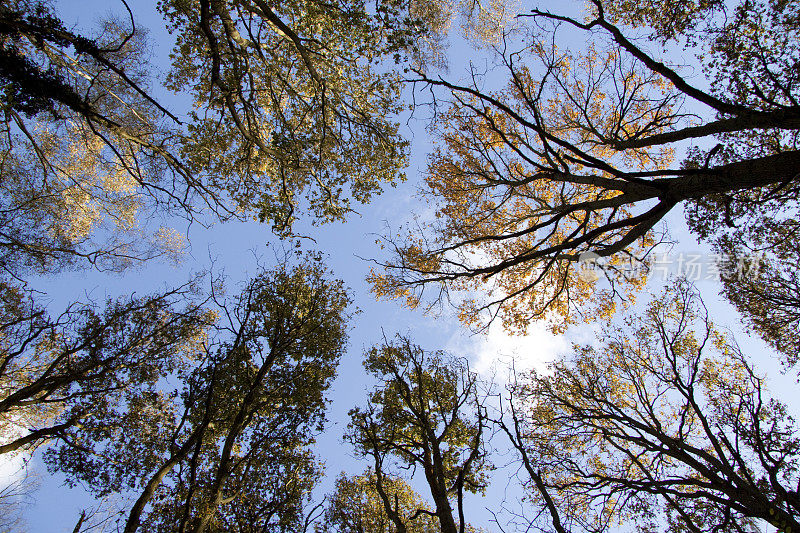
{"type": "Point", "coordinates": [571, 143]}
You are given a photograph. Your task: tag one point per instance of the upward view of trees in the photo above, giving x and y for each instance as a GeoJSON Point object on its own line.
{"type": "Point", "coordinates": [579, 153]}
{"type": "Point", "coordinates": [584, 131]}
{"type": "Point", "coordinates": [427, 414]}
{"type": "Point", "coordinates": [292, 109]}
{"type": "Point", "coordinates": [666, 423]}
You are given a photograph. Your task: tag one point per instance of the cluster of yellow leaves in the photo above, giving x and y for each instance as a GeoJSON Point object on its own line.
{"type": "Point", "coordinates": [67, 191]}
{"type": "Point", "coordinates": [602, 97]}
{"type": "Point", "coordinates": [84, 190]}
{"type": "Point", "coordinates": [486, 21]}
{"type": "Point", "coordinates": [171, 243]}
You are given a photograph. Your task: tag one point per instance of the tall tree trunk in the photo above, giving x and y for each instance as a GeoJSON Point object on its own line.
{"type": "Point", "coordinates": [747, 174]}
{"type": "Point", "coordinates": [136, 512]}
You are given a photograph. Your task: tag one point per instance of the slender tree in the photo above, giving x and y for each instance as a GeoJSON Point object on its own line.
{"type": "Point", "coordinates": [427, 412]}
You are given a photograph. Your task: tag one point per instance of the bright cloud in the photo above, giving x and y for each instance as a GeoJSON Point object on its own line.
{"type": "Point", "coordinates": [12, 465]}
{"type": "Point", "coordinates": [12, 468]}
{"type": "Point", "coordinates": [494, 351]}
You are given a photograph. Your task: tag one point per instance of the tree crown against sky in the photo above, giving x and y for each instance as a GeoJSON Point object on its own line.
{"type": "Point", "coordinates": [197, 413]}
{"type": "Point", "coordinates": [426, 413]}
{"type": "Point", "coordinates": [663, 424]}
{"type": "Point", "coordinates": [58, 373]}
{"type": "Point", "coordinates": [578, 153]}
{"type": "Point", "coordinates": [290, 108]}
{"type": "Point", "coordinates": [225, 441]}
{"type": "Point", "coordinates": [356, 506]}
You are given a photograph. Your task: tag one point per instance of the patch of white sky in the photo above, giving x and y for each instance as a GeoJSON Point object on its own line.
{"type": "Point", "coordinates": [495, 352]}
{"type": "Point", "coordinates": [12, 468]}
{"type": "Point", "coordinates": [15, 468]}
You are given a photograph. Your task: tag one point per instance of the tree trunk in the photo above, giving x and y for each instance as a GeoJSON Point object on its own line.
{"type": "Point", "coordinates": [747, 174]}
{"type": "Point", "coordinates": [136, 512]}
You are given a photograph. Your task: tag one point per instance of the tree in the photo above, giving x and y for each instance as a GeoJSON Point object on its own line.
{"type": "Point", "coordinates": [292, 111]}
{"type": "Point", "coordinates": [356, 506]}
{"type": "Point", "coordinates": [59, 377]}
{"type": "Point", "coordinates": [575, 155]}
{"type": "Point", "coordinates": [426, 413]}
{"type": "Point", "coordinates": [291, 100]}
{"type": "Point", "coordinates": [665, 422]}
{"type": "Point", "coordinates": [228, 447]}
{"type": "Point", "coordinates": [84, 154]}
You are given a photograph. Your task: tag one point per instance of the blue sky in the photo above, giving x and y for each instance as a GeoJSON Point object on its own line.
{"type": "Point", "coordinates": [236, 248]}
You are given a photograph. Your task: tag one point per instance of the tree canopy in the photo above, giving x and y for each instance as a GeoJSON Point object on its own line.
{"type": "Point", "coordinates": [228, 448]}
{"type": "Point", "coordinates": [577, 154]}
{"type": "Point", "coordinates": [293, 110]}
{"type": "Point", "coordinates": [427, 413]}
{"type": "Point", "coordinates": [196, 406]}
{"type": "Point", "coordinates": [664, 424]}
{"type": "Point", "coordinates": [60, 376]}
{"type": "Point", "coordinates": [356, 506]}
